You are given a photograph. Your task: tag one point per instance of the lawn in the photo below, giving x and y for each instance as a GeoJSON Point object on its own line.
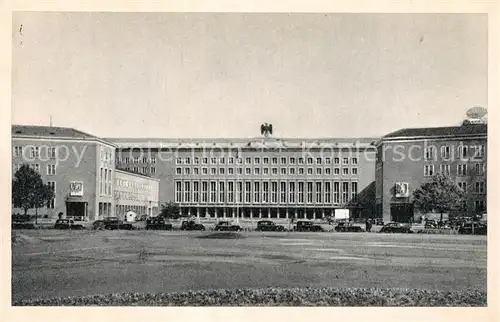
{"type": "Point", "coordinates": [50, 263]}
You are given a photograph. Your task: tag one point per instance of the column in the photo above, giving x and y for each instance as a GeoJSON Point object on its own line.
{"type": "Point", "coordinates": [215, 212]}
{"type": "Point", "coordinates": [323, 213]}
{"type": "Point", "coordinates": [85, 211]}
{"type": "Point", "coordinates": [314, 214]}
{"type": "Point", "coordinates": [251, 213]}
{"type": "Point", "coordinates": [232, 212]}
{"type": "Point", "coordinates": [189, 212]}
{"type": "Point", "coordinates": [224, 212]}
{"type": "Point", "coordinates": [286, 213]}
{"type": "Point", "coordinates": [260, 212]}
{"type": "Point", "coordinates": [206, 211]}
{"type": "Point", "coordinates": [198, 213]}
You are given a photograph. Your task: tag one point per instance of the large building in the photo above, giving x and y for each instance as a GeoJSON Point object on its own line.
{"type": "Point", "coordinates": [81, 169]}
{"type": "Point", "coordinates": [258, 178]}
{"type": "Point", "coordinates": [409, 157]}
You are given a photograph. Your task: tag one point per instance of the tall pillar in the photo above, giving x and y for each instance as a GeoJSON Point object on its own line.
{"type": "Point", "coordinates": [251, 213]}
{"type": "Point", "coordinates": [206, 211]}
{"type": "Point", "coordinates": [232, 212]}
{"type": "Point", "coordinates": [224, 212]}
{"type": "Point", "coordinates": [296, 214]}
{"type": "Point", "coordinates": [85, 211]}
{"type": "Point", "coordinates": [215, 212]}
{"type": "Point", "coordinates": [322, 213]}
{"type": "Point", "coordinates": [286, 213]}
{"type": "Point", "coordinates": [189, 212]}
{"type": "Point", "coordinates": [314, 214]}
{"type": "Point", "coordinates": [198, 212]}
{"type": "Point", "coordinates": [260, 212]}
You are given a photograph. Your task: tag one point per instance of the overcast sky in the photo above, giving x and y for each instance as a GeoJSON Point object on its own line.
{"type": "Point", "coordinates": [222, 75]}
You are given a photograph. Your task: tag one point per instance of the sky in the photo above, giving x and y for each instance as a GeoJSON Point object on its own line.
{"type": "Point", "coordinates": [196, 75]}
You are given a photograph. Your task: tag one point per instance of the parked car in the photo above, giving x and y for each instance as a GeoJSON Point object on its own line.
{"type": "Point", "coordinates": [227, 226]}
{"type": "Point", "coordinates": [158, 223]}
{"type": "Point", "coordinates": [67, 224]}
{"type": "Point", "coordinates": [307, 226]}
{"type": "Point", "coordinates": [430, 224]}
{"type": "Point", "coordinates": [471, 228]}
{"type": "Point", "coordinates": [348, 227]}
{"type": "Point", "coordinates": [191, 225]}
{"type": "Point", "coordinates": [394, 227]}
{"type": "Point", "coordinates": [268, 225]}
{"type": "Point", "coordinates": [112, 223]}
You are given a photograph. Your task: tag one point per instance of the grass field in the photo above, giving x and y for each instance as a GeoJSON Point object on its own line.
{"type": "Point", "coordinates": [51, 263]}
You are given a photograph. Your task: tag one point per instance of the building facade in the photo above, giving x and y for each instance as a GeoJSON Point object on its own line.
{"type": "Point", "coordinates": [410, 157]}
{"type": "Point", "coordinates": [135, 192]}
{"type": "Point", "coordinates": [79, 166]}
{"type": "Point", "coordinates": [258, 178]}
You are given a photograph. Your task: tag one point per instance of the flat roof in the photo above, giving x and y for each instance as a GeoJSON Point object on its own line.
{"type": "Point", "coordinates": [40, 131]}
{"type": "Point", "coordinates": [447, 131]}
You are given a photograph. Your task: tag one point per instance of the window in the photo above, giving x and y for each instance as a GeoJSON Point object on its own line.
{"type": "Point", "coordinates": [248, 170]}
{"type": "Point", "coordinates": [37, 167]}
{"type": "Point", "coordinates": [204, 171]}
{"type": "Point", "coordinates": [248, 192]}
{"type": "Point", "coordinates": [318, 192]}
{"type": "Point", "coordinates": [345, 171]}
{"type": "Point", "coordinates": [51, 169]}
{"type": "Point", "coordinates": [479, 151]}
{"type": "Point", "coordinates": [230, 171]}
{"type": "Point", "coordinates": [35, 152]}
{"type": "Point", "coordinates": [429, 153]}
{"type": "Point", "coordinates": [462, 170]}
{"type": "Point", "coordinates": [239, 160]}
{"type": "Point", "coordinates": [354, 191]}
{"type": "Point", "coordinates": [282, 192]}
{"type": "Point", "coordinates": [309, 160]}
{"type": "Point", "coordinates": [283, 160]}
{"type": "Point", "coordinates": [345, 192]}
{"type": "Point", "coordinates": [292, 160]}
{"type": "Point", "coordinates": [275, 160]}
{"type": "Point", "coordinates": [345, 161]}
{"type": "Point", "coordinates": [196, 192]}
{"type": "Point", "coordinates": [336, 161]}
{"type": "Point", "coordinates": [274, 192]}
{"type": "Point", "coordinates": [256, 160]}
{"type": "Point", "coordinates": [221, 171]}
{"type": "Point", "coordinates": [18, 151]}
{"type": "Point", "coordinates": [328, 196]}
{"type": "Point", "coordinates": [256, 192]}
{"type": "Point", "coordinates": [136, 169]}
{"type": "Point", "coordinates": [479, 169]}
{"type": "Point", "coordinates": [428, 170]}
{"type": "Point", "coordinates": [144, 160]}
{"type": "Point", "coordinates": [318, 171]}
{"type": "Point", "coordinates": [256, 171]}
{"type": "Point", "coordinates": [187, 171]}
{"type": "Point", "coordinates": [291, 171]}
{"type": "Point", "coordinates": [222, 160]}
{"type": "Point", "coordinates": [222, 195]}
{"type": "Point", "coordinates": [354, 171]}
{"type": "Point", "coordinates": [16, 167]}
{"type": "Point", "coordinates": [213, 160]}
{"type": "Point", "coordinates": [204, 191]}
{"type": "Point", "coordinates": [309, 192]}
{"type": "Point", "coordinates": [153, 170]}
{"type": "Point", "coordinates": [51, 204]}
{"type": "Point", "coordinates": [239, 194]}
{"type": "Point", "coordinates": [446, 152]}
{"type": "Point", "coordinates": [283, 171]}
{"type": "Point", "coordinates": [301, 160]}
{"type": "Point", "coordinates": [463, 151]}
{"type": "Point", "coordinates": [178, 191]}
{"type": "Point", "coordinates": [266, 160]}
{"type": "Point", "coordinates": [301, 192]}
{"type": "Point", "coordinates": [274, 171]}
{"type": "Point", "coordinates": [240, 171]}
{"type": "Point", "coordinates": [336, 171]}
{"type": "Point", "coordinates": [213, 192]}
{"type": "Point", "coordinates": [463, 186]}
{"type": "Point", "coordinates": [445, 169]}
{"type": "Point", "coordinates": [178, 171]}
{"type": "Point", "coordinates": [187, 191]}
{"type": "Point", "coordinates": [196, 171]}
{"type": "Point", "coordinates": [479, 205]}
{"type": "Point", "coordinates": [354, 161]}
{"type": "Point", "coordinates": [177, 160]}
{"type": "Point", "coordinates": [480, 187]}
{"type": "Point", "coordinates": [309, 171]}
{"type": "Point", "coordinates": [248, 160]}
{"type": "Point", "coordinates": [265, 192]}
{"type": "Point", "coordinates": [301, 171]}
{"type": "Point", "coordinates": [230, 192]}
{"type": "Point", "coordinates": [328, 161]}
{"type": "Point", "coordinates": [213, 171]}
{"type": "Point", "coordinates": [328, 171]}
{"type": "Point", "coordinates": [291, 192]}
{"type": "Point", "coordinates": [265, 171]}
{"type": "Point", "coordinates": [336, 192]}
{"type": "Point", "coordinates": [318, 160]}
{"type": "Point", "coordinates": [204, 161]}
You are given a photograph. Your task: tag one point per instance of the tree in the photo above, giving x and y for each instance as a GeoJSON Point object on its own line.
{"type": "Point", "coordinates": [170, 210]}
{"type": "Point", "coordinates": [29, 191]}
{"type": "Point", "coordinates": [440, 195]}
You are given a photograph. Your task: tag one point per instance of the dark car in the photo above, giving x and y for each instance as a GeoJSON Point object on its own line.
{"type": "Point", "coordinates": [67, 224]}
{"type": "Point", "coordinates": [430, 224]}
{"type": "Point", "coordinates": [307, 226]}
{"type": "Point", "coordinates": [191, 225]}
{"type": "Point", "coordinates": [158, 223]}
{"type": "Point", "coordinates": [347, 227]}
{"type": "Point", "coordinates": [226, 226]}
{"type": "Point", "coordinates": [268, 225]}
{"type": "Point", "coordinates": [112, 223]}
{"type": "Point", "coordinates": [473, 228]}
{"type": "Point", "coordinates": [394, 227]}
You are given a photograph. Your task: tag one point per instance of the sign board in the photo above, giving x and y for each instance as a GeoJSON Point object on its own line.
{"type": "Point", "coordinates": [402, 190]}
{"type": "Point", "coordinates": [76, 188]}
{"type": "Point", "coordinates": [341, 214]}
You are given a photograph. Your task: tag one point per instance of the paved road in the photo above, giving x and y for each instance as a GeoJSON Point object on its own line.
{"type": "Point", "coordinates": [49, 263]}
